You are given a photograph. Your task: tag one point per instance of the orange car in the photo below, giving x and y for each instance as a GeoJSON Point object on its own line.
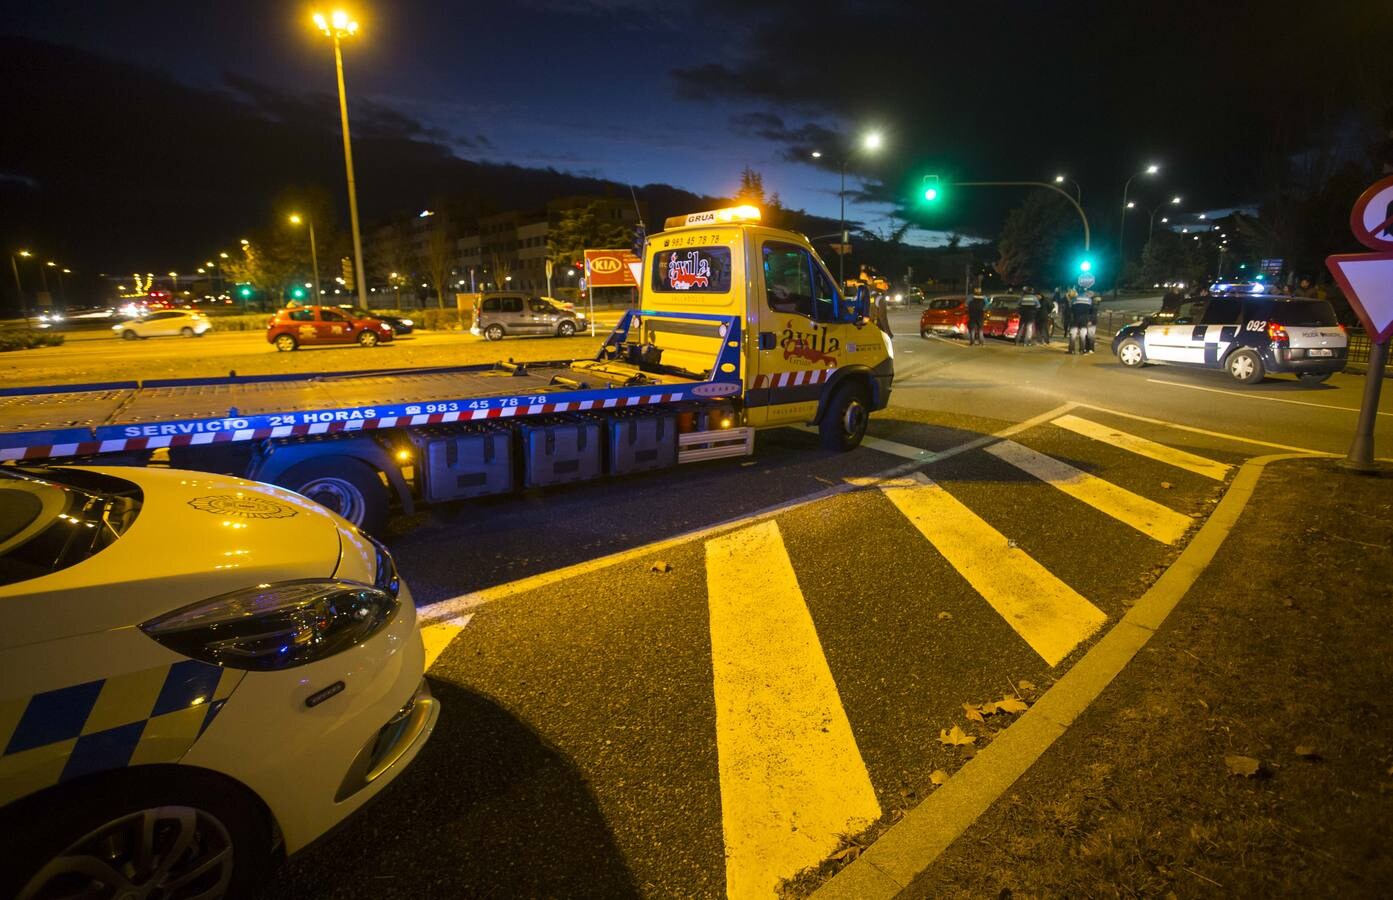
{"type": "Point", "coordinates": [309, 325]}
{"type": "Point", "coordinates": [944, 315]}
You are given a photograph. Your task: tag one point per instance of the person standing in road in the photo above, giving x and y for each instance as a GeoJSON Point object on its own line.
{"type": "Point", "coordinates": [1043, 318]}
{"type": "Point", "coordinates": [1029, 308]}
{"type": "Point", "coordinates": [976, 312]}
{"type": "Point", "coordinates": [1079, 311]}
{"type": "Point", "coordinates": [1065, 307]}
{"type": "Point", "coordinates": [1092, 328]}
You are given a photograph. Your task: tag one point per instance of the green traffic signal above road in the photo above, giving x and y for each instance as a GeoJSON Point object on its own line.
{"type": "Point", "coordinates": [930, 188]}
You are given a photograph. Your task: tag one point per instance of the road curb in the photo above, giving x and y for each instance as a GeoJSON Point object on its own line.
{"type": "Point", "coordinates": [911, 845]}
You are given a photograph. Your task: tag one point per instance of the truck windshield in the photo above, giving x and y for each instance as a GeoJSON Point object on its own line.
{"type": "Point", "coordinates": [53, 519]}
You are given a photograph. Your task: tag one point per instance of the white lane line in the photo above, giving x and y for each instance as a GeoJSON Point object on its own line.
{"type": "Point", "coordinates": [454, 606]}
{"type": "Point", "coordinates": [894, 448]}
{"type": "Point", "coordinates": [1049, 615]}
{"type": "Point", "coordinates": [1196, 387]}
{"type": "Point", "coordinates": [438, 636]}
{"type": "Point", "coordinates": [1141, 446]}
{"type": "Point", "coordinates": [1147, 516]}
{"type": "Point", "coordinates": [1193, 430]}
{"type": "Point", "coordinates": [792, 778]}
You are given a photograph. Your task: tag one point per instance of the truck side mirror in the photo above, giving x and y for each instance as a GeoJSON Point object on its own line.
{"type": "Point", "coordinates": [861, 306]}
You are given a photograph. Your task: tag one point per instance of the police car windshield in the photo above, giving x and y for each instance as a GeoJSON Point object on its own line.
{"type": "Point", "coordinates": [53, 519]}
{"type": "Point", "coordinates": [1298, 313]}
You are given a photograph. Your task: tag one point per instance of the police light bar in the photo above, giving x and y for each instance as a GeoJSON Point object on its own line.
{"type": "Point", "coordinates": [715, 217]}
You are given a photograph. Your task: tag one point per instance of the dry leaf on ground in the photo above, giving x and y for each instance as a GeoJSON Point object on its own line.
{"type": "Point", "coordinates": [973, 712]}
{"type": "Point", "coordinates": [848, 853]}
{"type": "Point", "coordinates": [938, 777]}
{"type": "Point", "coordinates": [1024, 685]}
{"type": "Point", "coordinates": [944, 616]}
{"type": "Point", "coordinates": [955, 737]}
{"type": "Point", "coordinates": [1011, 705]}
{"type": "Point", "coordinates": [661, 567]}
{"type": "Point", "coordinates": [1245, 766]}
{"type": "Point", "coordinates": [1308, 751]}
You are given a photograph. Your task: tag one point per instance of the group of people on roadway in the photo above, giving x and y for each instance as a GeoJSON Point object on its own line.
{"type": "Point", "coordinates": [1075, 311]}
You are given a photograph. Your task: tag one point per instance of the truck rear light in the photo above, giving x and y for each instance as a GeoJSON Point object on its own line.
{"type": "Point", "coordinates": [1276, 333]}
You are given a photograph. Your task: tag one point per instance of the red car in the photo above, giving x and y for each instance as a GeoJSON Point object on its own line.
{"type": "Point", "coordinates": [944, 315]}
{"type": "Point", "coordinates": [309, 325]}
{"type": "Point", "coordinates": [1003, 318]}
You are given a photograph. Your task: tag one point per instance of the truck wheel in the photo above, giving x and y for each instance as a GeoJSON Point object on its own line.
{"type": "Point", "coordinates": [844, 420]}
{"type": "Point", "coordinates": [129, 335]}
{"type": "Point", "coordinates": [566, 328]}
{"type": "Point", "coordinates": [494, 332]}
{"type": "Point", "coordinates": [286, 342]}
{"type": "Point", "coordinates": [344, 485]}
{"type": "Point", "coordinates": [1313, 377]}
{"type": "Point", "coordinates": [367, 338]}
{"type": "Point", "coordinates": [138, 834]}
{"type": "Point", "coordinates": [1245, 366]}
{"type": "Point", "coordinates": [1131, 353]}
{"type": "Point", "coordinates": [186, 331]}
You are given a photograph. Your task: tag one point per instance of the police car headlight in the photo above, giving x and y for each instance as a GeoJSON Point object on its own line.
{"type": "Point", "coordinates": [277, 626]}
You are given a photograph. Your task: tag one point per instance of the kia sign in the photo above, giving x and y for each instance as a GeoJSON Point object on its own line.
{"type": "Point", "coordinates": [611, 268]}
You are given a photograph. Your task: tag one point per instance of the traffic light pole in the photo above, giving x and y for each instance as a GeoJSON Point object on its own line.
{"type": "Point", "coordinates": [1039, 184]}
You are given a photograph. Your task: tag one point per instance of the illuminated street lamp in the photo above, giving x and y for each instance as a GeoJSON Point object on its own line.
{"type": "Point", "coordinates": [1065, 179]}
{"type": "Point", "coordinates": [870, 142]}
{"type": "Point", "coordinates": [1122, 227]}
{"type": "Point", "coordinates": [338, 26]}
{"type": "Point", "coordinates": [1151, 228]}
{"type": "Point", "coordinates": [297, 219]}
{"type": "Point", "coordinates": [19, 288]}
{"type": "Point", "coordinates": [174, 277]}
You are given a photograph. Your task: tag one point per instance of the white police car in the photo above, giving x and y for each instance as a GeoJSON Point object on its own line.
{"type": "Point", "coordinates": [197, 674]}
{"type": "Point", "coordinates": [1247, 336]}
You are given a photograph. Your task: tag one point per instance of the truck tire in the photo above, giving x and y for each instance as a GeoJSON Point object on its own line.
{"type": "Point", "coordinates": [286, 342]}
{"type": "Point", "coordinates": [141, 814]}
{"type": "Point", "coordinates": [1245, 366]}
{"type": "Point", "coordinates": [844, 420]}
{"type": "Point", "coordinates": [1131, 353]}
{"type": "Point", "coordinates": [566, 328]}
{"type": "Point", "coordinates": [494, 332]}
{"type": "Point", "coordinates": [343, 485]}
{"type": "Point", "coordinates": [367, 339]}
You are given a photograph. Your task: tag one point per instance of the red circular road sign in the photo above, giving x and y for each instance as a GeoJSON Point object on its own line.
{"type": "Point", "coordinates": [1371, 219]}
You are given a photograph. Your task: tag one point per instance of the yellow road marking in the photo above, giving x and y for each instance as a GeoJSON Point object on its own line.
{"type": "Point", "coordinates": [437, 637]}
{"type": "Point", "coordinates": [792, 778]}
{"type": "Point", "coordinates": [1147, 516]}
{"type": "Point", "coordinates": [1141, 446]}
{"type": "Point", "coordinates": [1048, 614]}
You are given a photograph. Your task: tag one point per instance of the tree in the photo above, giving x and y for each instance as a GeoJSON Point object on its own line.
{"type": "Point", "coordinates": [751, 188]}
{"type": "Point", "coordinates": [440, 252]}
{"type": "Point", "coordinates": [585, 227]}
{"type": "Point", "coordinates": [502, 268]}
{"type": "Point", "coordinates": [1171, 257]}
{"type": "Point", "coordinates": [1034, 242]}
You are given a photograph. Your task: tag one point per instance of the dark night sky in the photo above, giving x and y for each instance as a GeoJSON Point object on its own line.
{"type": "Point", "coordinates": [158, 130]}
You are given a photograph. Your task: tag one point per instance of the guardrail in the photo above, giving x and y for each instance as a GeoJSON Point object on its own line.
{"type": "Point", "coordinates": [1359, 347]}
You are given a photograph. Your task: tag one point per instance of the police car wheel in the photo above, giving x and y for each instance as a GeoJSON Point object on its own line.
{"type": "Point", "coordinates": [1131, 353]}
{"type": "Point", "coordinates": [494, 332]}
{"type": "Point", "coordinates": [1245, 366]}
{"type": "Point", "coordinates": [137, 833]}
{"type": "Point", "coordinates": [1313, 377]}
{"type": "Point", "coordinates": [844, 420]}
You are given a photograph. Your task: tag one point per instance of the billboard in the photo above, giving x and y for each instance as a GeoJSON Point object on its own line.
{"type": "Point", "coordinates": [610, 268]}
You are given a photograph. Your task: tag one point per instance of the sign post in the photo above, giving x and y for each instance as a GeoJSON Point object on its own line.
{"type": "Point", "coordinates": [1367, 281]}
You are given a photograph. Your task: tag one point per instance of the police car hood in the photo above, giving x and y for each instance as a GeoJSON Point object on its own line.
{"type": "Point", "coordinates": [196, 536]}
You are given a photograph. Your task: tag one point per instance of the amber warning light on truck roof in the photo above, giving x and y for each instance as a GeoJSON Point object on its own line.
{"type": "Point", "coordinates": [715, 217]}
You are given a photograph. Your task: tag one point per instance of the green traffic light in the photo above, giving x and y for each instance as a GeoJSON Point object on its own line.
{"type": "Point", "coordinates": [931, 194]}
{"type": "Point", "coordinates": [1085, 266]}
{"type": "Point", "coordinates": [930, 188]}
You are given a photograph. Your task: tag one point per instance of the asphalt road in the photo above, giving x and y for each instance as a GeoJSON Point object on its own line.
{"type": "Point", "coordinates": [782, 678]}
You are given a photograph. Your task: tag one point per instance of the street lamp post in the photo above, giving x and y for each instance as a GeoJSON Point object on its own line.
{"type": "Point", "coordinates": [870, 142]}
{"type": "Point", "coordinates": [297, 219]}
{"type": "Point", "coordinates": [339, 26]}
{"type": "Point", "coordinates": [1087, 235]}
{"type": "Point", "coordinates": [19, 287]}
{"type": "Point", "coordinates": [1078, 191]}
{"type": "Point", "coordinates": [1151, 228]}
{"type": "Point", "coordinates": [1122, 228]}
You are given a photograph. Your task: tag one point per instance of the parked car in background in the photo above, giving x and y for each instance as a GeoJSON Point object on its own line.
{"type": "Point", "coordinates": [309, 326]}
{"type": "Point", "coordinates": [398, 324]}
{"type": "Point", "coordinates": [502, 314]}
{"type": "Point", "coordinates": [201, 674]}
{"type": "Point", "coordinates": [914, 295]}
{"type": "Point", "coordinates": [946, 316]}
{"type": "Point", "coordinates": [164, 323]}
{"type": "Point", "coordinates": [1003, 316]}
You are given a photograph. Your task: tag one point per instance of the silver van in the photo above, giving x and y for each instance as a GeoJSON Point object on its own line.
{"type": "Point", "coordinates": [501, 314]}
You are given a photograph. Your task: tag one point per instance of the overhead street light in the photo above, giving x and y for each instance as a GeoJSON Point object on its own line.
{"type": "Point", "coordinates": [297, 219]}
{"type": "Point", "coordinates": [338, 26]}
{"type": "Point", "coordinates": [1122, 227]}
{"type": "Point", "coordinates": [1151, 227]}
{"type": "Point", "coordinates": [1078, 190]}
{"type": "Point", "coordinates": [870, 142]}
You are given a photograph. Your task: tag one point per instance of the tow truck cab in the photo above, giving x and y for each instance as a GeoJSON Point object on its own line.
{"type": "Point", "coordinates": [810, 354]}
